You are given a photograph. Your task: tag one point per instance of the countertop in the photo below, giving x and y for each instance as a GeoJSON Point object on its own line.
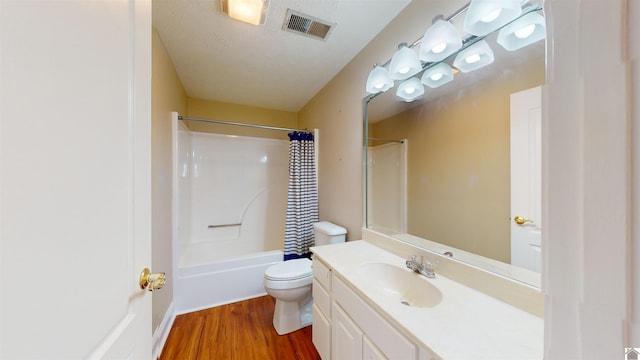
{"type": "Point", "coordinates": [466, 324]}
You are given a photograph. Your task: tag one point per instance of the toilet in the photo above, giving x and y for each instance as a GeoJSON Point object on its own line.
{"type": "Point", "coordinates": [289, 282]}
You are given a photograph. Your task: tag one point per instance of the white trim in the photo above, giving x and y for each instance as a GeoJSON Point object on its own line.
{"type": "Point", "coordinates": [316, 147]}
{"type": "Point", "coordinates": [162, 332]}
{"type": "Point", "coordinates": [587, 189]}
{"type": "Point", "coordinates": [211, 305]}
{"type": "Point", "coordinates": [634, 54]}
{"type": "Point", "coordinates": [175, 221]}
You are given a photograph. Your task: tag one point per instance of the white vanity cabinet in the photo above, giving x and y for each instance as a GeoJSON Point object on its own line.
{"type": "Point", "coordinates": [369, 306]}
{"type": "Point", "coordinates": [346, 336]}
{"type": "Point", "coordinates": [346, 327]}
{"type": "Point", "coordinates": [321, 332]}
{"type": "Point", "coordinates": [370, 351]}
{"type": "Point", "coordinates": [349, 342]}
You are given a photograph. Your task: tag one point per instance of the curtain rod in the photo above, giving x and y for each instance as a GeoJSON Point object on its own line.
{"type": "Point", "coordinates": [186, 118]}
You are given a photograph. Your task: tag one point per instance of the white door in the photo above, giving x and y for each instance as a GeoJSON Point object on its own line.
{"type": "Point", "coordinates": [526, 188]}
{"type": "Point", "coordinates": [75, 179]}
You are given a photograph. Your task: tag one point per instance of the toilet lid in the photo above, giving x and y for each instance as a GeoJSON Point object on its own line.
{"type": "Point", "coordinates": [289, 270]}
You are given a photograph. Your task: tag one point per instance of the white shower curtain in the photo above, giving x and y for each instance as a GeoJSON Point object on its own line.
{"type": "Point", "coordinates": [302, 204]}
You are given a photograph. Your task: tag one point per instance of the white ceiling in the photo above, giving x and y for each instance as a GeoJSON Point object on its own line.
{"type": "Point", "coordinates": [218, 58]}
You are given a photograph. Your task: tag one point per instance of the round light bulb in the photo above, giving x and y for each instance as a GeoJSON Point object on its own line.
{"type": "Point", "coordinates": [404, 69]}
{"type": "Point", "coordinates": [436, 76]}
{"type": "Point", "coordinates": [491, 16]}
{"type": "Point", "coordinates": [439, 48]}
{"type": "Point", "coordinates": [410, 90]}
{"type": "Point", "coordinates": [472, 58]}
{"type": "Point", "coordinates": [525, 31]}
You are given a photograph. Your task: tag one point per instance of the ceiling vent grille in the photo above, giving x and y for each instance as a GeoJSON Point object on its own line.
{"type": "Point", "coordinates": [307, 25]}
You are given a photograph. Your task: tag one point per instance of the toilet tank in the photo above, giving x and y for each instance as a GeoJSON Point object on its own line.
{"type": "Point", "coordinates": [328, 233]}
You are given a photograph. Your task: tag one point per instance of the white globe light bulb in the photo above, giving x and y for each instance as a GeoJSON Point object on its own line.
{"type": "Point", "coordinates": [491, 16]}
{"type": "Point", "coordinates": [436, 76]}
{"type": "Point", "coordinates": [472, 58]}
{"type": "Point", "coordinates": [439, 48]}
{"type": "Point", "coordinates": [525, 31]}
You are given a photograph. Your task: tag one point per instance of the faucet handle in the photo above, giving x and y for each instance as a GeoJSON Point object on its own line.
{"type": "Point", "coordinates": [411, 262]}
{"type": "Point", "coordinates": [428, 267]}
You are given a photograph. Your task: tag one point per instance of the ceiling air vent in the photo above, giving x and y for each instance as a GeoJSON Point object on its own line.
{"type": "Point", "coordinates": [307, 25]}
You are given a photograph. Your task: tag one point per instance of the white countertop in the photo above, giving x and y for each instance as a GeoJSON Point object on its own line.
{"type": "Point", "coordinates": [466, 324]}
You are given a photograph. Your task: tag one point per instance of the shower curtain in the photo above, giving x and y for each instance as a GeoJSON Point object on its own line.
{"type": "Point", "coordinates": [302, 204]}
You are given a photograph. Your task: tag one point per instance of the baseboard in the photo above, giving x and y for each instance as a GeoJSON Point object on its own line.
{"type": "Point", "coordinates": [162, 332]}
{"type": "Point", "coordinates": [219, 303]}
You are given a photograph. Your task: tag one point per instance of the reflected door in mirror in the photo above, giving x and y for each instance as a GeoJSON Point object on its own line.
{"type": "Point", "coordinates": [526, 178]}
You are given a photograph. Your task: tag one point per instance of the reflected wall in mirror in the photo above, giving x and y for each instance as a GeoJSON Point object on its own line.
{"type": "Point", "coordinates": [457, 156]}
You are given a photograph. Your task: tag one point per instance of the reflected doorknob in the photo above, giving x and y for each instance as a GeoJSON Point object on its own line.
{"type": "Point", "coordinates": [521, 221]}
{"type": "Point", "coordinates": [152, 281]}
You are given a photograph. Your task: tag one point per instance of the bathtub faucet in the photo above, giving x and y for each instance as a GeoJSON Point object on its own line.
{"type": "Point", "coordinates": [423, 266]}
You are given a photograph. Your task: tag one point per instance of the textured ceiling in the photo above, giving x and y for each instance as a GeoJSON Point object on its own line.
{"type": "Point", "coordinates": [218, 58]}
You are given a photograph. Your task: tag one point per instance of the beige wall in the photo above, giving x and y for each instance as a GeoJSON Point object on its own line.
{"type": "Point", "coordinates": [215, 110]}
{"type": "Point", "coordinates": [167, 95]}
{"type": "Point", "coordinates": [459, 172]}
{"type": "Point", "coordinates": [337, 111]}
{"type": "Point", "coordinates": [332, 111]}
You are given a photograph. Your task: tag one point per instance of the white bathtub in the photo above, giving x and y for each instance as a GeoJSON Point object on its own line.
{"type": "Point", "coordinates": [222, 282]}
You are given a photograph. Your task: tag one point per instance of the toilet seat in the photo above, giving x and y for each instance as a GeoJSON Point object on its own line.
{"type": "Point", "coordinates": [290, 274]}
{"type": "Point", "coordinates": [289, 270]}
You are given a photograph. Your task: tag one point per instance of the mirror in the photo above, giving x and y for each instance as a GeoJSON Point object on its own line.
{"type": "Point", "coordinates": [446, 186]}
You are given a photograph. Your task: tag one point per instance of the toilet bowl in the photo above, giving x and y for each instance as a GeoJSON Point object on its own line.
{"type": "Point", "coordinates": [289, 282]}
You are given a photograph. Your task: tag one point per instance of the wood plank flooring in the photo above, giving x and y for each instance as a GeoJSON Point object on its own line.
{"type": "Point", "coordinates": [241, 330]}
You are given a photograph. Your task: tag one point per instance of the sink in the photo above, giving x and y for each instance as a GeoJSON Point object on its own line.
{"type": "Point", "coordinates": [408, 287]}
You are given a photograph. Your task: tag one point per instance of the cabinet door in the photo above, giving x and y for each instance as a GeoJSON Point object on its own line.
{"type": "Point", "coordinates": [346, 337]}
{"type": "Point", "coordinates": [321, 333]}
{"type": "Point", "coordinates": [391, 342]}
{"type": "Point", "coordinates": [370, 351]}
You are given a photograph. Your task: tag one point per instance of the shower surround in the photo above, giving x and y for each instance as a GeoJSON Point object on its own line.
{"type": "Point", "coordinates": [230, 203]}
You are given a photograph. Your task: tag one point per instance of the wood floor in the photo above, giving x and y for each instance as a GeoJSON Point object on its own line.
{"type": "Point", "coordinates": [241, 330]}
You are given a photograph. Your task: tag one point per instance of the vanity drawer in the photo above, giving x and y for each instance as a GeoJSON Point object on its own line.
{"type": "Point", "coordinates": [389, 340]}
{"type": "Point", "coordinates": [322, 273]}
{"type": "Point", "coordinates": [321, 298]}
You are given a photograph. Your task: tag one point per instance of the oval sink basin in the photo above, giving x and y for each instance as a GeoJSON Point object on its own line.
{"type": "Point", "coordinates": [408, 287]}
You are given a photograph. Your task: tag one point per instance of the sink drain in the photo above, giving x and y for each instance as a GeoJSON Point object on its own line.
{"type": "Point", "coordinates": [405, 303]}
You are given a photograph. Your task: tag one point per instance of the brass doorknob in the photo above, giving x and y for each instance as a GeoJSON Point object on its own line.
{"type": "Point", "coordinates": [152, 281]}
{"type": "Point", "coordinates": [521, 221]}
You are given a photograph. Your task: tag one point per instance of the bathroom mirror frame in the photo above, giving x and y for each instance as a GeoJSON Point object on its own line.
{"type": "Point", "coordinates": [491, 265]}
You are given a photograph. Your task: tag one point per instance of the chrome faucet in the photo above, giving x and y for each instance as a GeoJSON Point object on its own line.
{"type": "Point", "coordinates": [423, 266]}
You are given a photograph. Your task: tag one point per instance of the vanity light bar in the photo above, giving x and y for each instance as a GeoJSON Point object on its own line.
{"type": "Point", "coordinates": [466, 42]}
